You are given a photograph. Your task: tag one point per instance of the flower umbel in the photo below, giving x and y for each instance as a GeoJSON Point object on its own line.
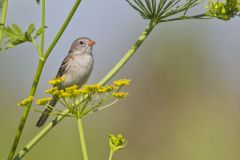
{"type": "Point", "coordinates": [116, 142]}
{"type": "Point", "coordinates": [106, 89]}
{"type": "Point", "coordinates": [122, 82]}
{"type": "Point", "coordinates": [56, 80]}
{"type": "Point", "coordinates": [120, 94]}
{"type": "Point", "coordinates": [26, 101]}
{"type": "Point", "coordinates": [88, 99]}
{"type": "Point", "coordinates": [223, 9]}
{"type": "Point", "coordinates": [43, 101]}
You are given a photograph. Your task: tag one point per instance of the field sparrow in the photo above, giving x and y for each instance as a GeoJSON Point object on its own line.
{"type": "Point", "coordinates": [76, 68]}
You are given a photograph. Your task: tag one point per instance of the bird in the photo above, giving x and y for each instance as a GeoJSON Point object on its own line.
{"type": "Point", "coordinates": [75, 68]}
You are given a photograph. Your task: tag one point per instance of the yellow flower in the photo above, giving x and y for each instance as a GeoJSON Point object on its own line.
{"type": "Point", "coordinates": [83, 91]}
{"type": "Point", "coordinates": [52, 90]}
{"type": "Point", "coordinates": [56, 80]}
{"type": "Point", "coordinates": [120, 94]}
{"type": "Point", "coordinates": [71, 89]}
{"type": "Point", "coordinates": [122, 82]}
{"type": "Point", "coordinates": [91, 88]}
{"type": "Point", "coordinates": [106, 89]}
{"type": "Point", "coordinates": [43, 101]}
{"type": "Point", "coordinates": [63, 94]}
{"type": "Point", "coordinates": [26, 101]}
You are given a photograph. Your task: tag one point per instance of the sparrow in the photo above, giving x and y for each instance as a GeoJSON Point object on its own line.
{"type": "Point", "coordinates": [75, 68]}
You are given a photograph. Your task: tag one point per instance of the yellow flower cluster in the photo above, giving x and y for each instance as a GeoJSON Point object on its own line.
{"type": "Point", "coordinates": [43, 101]}
{"type": "Point", "coordinates": [56, 80]}
{"type": "Point", "coordinates": [122, 82]}
{"type": "Point", "coordinates": [53, 91]}
{"type": "Point", "coordinates": [74, 90]}
{"type": "Point", "coordinates": [26, 101]}
{"type": "Point", "coordinates": [120, 94]}
{"type": "Point", "coordinates": [91, 88]}
{"type": "Point", "coordinates": [104, 89]}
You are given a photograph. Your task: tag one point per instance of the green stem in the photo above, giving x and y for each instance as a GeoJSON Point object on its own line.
{"type": "Point", "coordinates": [26, 110]}
{"type": "Point", "coordinates": [82, 138]}
{"type": "Point", "coordinates": [39, 51]}
{"type": "Point", "coordinates": [3, 19]}
{"type": "Point", "coordinates": [37, 77]}
{"type": "Point", "coordinates": [97, 108]}
{"type": "Point", "coordinates": [43, 26]}
{"type": "Point", "coordinates": [199, 16]}
{"type": "Point", "coordinates": [129, 54]}
{"type": "Point", "coordinates": [110, 155]}
{"type": "Point", "coordinates": [115, 69]}
{"type": "Point", "coordinates": [62, 29]}
{"type": "Point", "coordinates": [39, 136]}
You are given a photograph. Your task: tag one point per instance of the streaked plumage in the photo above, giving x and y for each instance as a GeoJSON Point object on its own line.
{"type": "Point", "coordinates": [75, 68]}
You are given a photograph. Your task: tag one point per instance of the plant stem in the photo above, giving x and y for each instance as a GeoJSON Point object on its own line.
{"type": "Point", "coordinates": [38, 50]}
{"type": "Point", "coordinates": [129, 54]}
{"type": "Point", "coordinates": [3, 19]}
{"type": "Point", "coordinates": [110, 155]}
{"type": "Point", "coordinates": [95, 109]}
{"type": "Point", "coordinates": [115, 69]}
{"type": "Point", "coordinates": [39, 136]}
{"type": "Point", "coordinates": [37, 77]}
{"type": "Point", "coordinates": [64, 26]}
{"type": "Point", "coordinates": [26, 110]}
{"type": "Point", "coordinates": [199, 16]}
{"type": "Point", "coordinates": [43, 26]}
{"type": "Point", "coordinates": [82, 138]}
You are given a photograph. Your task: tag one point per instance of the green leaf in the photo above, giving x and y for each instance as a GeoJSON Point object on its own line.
{"type": "Point", "coordinates": [28, 33]}
{"type": "Point", "coordinates": [37, 33]}
{"type": "Point", "coordinates": [17, 30]}
{"type": "Point", "coordinates": [15, 36]}
{"type": "Point", "coordinates": [38, 1]}
{"type": "Point", "coordinates": [31, 29]}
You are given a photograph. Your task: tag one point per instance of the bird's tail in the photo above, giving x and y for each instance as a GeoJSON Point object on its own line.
{"type": "Point", "coordinates": [46, 112]}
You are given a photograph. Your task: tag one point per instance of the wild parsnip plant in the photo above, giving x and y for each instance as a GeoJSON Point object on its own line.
{"type": "Point", "coordinates": [90, 98]}
{"type": "Point", "coordinates": [81, 102]}
{"type": "Point", "coordinates": [86, 100]}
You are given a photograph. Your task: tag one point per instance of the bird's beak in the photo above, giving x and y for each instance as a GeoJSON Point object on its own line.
{"type": "Point", "coordinates": [91, 42]}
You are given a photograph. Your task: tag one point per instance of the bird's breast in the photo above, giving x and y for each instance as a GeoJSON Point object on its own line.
{"type": "Point", "coordinates": [78, 70]}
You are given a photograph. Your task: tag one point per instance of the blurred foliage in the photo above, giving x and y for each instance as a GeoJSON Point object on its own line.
{"type": "Point", "coordinates": [223, 9]}
{"type": "Point", "coordinates": [1, 3]}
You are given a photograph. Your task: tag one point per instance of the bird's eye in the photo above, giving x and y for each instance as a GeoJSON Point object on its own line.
{"type": "Point", "coordinates": [81, 42]}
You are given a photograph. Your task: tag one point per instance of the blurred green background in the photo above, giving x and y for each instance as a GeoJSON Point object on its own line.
{"type": "Point", "coordinates": [184, 101]}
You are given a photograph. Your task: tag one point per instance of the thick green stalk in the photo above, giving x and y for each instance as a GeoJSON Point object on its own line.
{"type": "Point", "coordinates": [3, 18]}
{"type": "Point", "coordinates": [114, 70]}
{"type": "Point", "coordinates": [82, 138]}
{"type": "Point", "coordinates": [26, 110]}
{"type": "Point", "coordinates": [38, 74]}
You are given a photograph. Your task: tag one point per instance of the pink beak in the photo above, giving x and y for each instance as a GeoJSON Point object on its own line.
{"type": "Point", "coordinates": [91, 42]}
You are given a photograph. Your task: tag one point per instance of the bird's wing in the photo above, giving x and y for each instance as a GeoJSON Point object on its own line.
{"type": "Point", "coordinates": [64, 64]}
